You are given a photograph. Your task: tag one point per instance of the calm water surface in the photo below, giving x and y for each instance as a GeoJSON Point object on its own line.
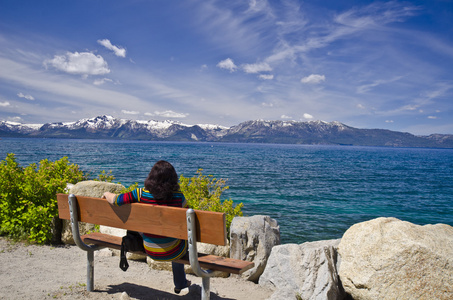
{"type": "Point", "coordinates": [314, 192]}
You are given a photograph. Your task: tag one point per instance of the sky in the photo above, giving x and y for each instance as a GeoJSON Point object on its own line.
{"type": "Point", "coordinates": [367, 64]}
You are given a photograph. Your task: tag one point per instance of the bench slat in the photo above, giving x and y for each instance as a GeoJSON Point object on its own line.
{"type": "Point", "coordinates": [153, 219]}
{"type": "Point", "coordinates": [206, 261]}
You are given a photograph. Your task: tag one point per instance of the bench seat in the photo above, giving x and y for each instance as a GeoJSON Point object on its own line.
{"type": "Point", "coordinates": [207, 261]}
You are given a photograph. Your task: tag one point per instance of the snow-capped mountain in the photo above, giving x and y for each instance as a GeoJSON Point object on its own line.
{"type": "Point", "coordinates": [257, 131]}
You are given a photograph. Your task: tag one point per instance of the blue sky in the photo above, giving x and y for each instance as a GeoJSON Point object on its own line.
{"type": "Point", "coordinates": [367, 64]}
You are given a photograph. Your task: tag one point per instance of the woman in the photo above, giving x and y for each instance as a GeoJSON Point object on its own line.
{"type": "Point", "coordinates": [161, 188]}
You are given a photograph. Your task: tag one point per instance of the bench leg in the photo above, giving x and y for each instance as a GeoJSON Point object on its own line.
{"type": "Point", "coordinates": [90, 271]}
{"type": "Point", "coordinates": [205, 288]}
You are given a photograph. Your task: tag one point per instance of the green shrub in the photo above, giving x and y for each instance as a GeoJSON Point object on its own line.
{"type": "Point", "coordinates": [204, 192]}
{"type": "Point", "coordinates": [105, 176]}
{"type": "Point", "coordinates": [28, 196]}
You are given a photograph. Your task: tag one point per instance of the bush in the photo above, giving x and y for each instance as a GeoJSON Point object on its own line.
{"type": "Point", "coordinates": [203, 192]}
{"type": "Point", "coordinates": [28, 202]}
{"type": "Point", "coordinates": [28, 196]}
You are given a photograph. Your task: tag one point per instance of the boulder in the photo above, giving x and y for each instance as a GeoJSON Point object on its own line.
{"type": "Point", "coordinates": [386, 258]}
{"type": "Point", "coordinates": [88, 188]}
{"type": "Point", "coordinates": [305, 271]}
{"type": "Point", "coordinates": [121, 232]}
{"type": "Point", "coordinates": [252, 239]}
{"type": "Point", "coordinates": [91, 188]}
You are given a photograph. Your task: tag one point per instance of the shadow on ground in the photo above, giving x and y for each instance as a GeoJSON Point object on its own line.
{"type": "Point", "coordinates": [143, 292]}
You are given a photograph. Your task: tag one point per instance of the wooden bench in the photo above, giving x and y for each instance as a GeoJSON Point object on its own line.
{"type": "Point", "coordinates": [188, 224]}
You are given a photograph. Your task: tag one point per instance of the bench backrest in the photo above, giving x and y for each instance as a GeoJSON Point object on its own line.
{"type": "Point", "coordinates": [154, 219]}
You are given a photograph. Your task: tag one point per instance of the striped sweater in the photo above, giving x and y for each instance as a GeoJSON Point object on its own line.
{"type": "Point", "coordinates": [157, 247]}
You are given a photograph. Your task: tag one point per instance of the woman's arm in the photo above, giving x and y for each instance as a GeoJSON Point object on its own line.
{"type": "Point", "coordinates": [110, 197]}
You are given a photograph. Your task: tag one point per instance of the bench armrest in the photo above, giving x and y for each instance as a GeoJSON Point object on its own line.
{"type": "Point", "coordinates": [72, 200]}
{"type": "Point", "coordinates": [192, 240]}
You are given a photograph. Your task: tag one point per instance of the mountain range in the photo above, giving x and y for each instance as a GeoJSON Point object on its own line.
{"type": "Point", "coordinates": [257, 131]}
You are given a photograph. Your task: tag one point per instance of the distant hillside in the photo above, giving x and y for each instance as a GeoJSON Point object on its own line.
{"type": "Point", "coordinates": [258, 131]}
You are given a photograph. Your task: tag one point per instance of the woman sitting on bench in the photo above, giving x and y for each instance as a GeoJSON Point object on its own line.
{"type": "Point", "coordinates": [161, 188]}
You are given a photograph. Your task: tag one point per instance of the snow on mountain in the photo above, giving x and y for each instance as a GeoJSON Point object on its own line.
{"type": "Point", "coordinates": [255, 131]}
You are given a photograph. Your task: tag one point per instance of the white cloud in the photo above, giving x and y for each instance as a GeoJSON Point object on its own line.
{"type": "Point", "coordinates": [388, 121]}
{"type": "Point", "coordinates": [266, 77]}
{"type": "Point", "coordinates": [285, 117]}
{"type": "Point", "coordinates": [130, 112]}
{"type": "Point", "coordinates": [28, 97]}
{"type": "Point", "coordinates": [256, 68]}
{"type": "Point", "coordinates": [361, 106]}
{"type": "Point", "coordinates": [267, 104]}
{"type": "Point", "coordinates": [4, 104]}
{"type": "Point", "coordinates": [227, 64]}
{"type": "Point", "coordinates": [307, 116]}
{"type": "Point", "coordinates": [432, 117]}
{"type": "Point", "coordinates": [84, 63]}
{"type": "Point", "coordinates": [16, 119]}
{"type": "Point", "coordinates": [101, 81]}
{"type": "Point", "coordinates": [313, 79]}
{"type": "Point", "coordinates": [167, 114]}
{"type": "Point", "coordinates": [119, 51]}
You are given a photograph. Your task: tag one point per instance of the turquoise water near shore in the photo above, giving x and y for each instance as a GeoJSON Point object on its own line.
{"type": "Point", "coordinates": [314, 192]}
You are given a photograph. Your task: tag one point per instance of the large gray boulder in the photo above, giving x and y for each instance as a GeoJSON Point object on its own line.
{"type": "Point", "coordinates": [252, 239]}
{"type": "Point", "coordinates": [305, 271]}
{"type": "Point", "coordinates": [386, 258]}
{"type": "Point", "coordinates": [91, 188]}
{"type": "Point", "coordinates": [88, 188]}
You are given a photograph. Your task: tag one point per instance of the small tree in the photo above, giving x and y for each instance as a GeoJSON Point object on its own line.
{"type": "Point", "coordinates": [204, 192]}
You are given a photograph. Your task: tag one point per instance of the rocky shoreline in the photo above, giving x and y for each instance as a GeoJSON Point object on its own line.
{"type": "Point", "coordinates": [383, 258]}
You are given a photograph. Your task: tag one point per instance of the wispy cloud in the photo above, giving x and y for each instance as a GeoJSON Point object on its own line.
{"type": "Point", "coordinates": [313, 79]}
{"type": "Point", "coordinates": [266, 76]}
{"type": "Point", "coordinates": [130, 112]}
{"type": "Point", "coordinates": [119, 51]}
{"type": "Point", "coordinates": [367, 87]}
{"type": "Point", "coordinates": [5, 104]}
{"type": "Point", "coordinates": [256, 68]}
{"type": "Point", "coordinates": [101, 81]}
{"type": "Point", "coordinates": [28, 97]}
{"type": "Point", "coordinates": [167, 114]}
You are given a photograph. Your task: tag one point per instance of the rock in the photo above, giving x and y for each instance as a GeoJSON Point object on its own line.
{"type": "Point", "coordinates": [386, 258]}
{"type": "Point", "coordinates": [308, 271]}
{"type": "Point", "coordinates": [104, 252]}
{"type": "Point", "coordinates": [88, 188]}
{"type": "Point", "coordinates": [252, 239]}
{"type": "Point", "coordinates": [121, 232]}
{"type": "Point", "coordinates": [91, 188]}
{"type": "Point", "coordinates": [124, 296]}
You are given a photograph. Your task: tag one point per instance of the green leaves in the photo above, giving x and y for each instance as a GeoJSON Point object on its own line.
{"type": "Point", "coordinates": [28, 196]}
{"type": "Point", "coordinates": [204, 193]}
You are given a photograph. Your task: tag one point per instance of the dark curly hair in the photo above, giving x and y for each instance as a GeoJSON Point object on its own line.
{"type": "Point", "coordinates": [162, 181]}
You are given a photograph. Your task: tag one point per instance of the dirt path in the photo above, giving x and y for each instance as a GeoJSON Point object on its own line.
{"type": "Point", "coordinates": [47, 272]}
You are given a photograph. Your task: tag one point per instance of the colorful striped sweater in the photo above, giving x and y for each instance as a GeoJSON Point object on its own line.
{"type": "Point", "coordinates": [157, 247]}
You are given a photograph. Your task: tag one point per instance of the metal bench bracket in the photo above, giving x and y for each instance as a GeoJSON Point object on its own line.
{"type": "Point", "coordinates": [72, 200]}
{"type": "Point", "coordinates": [193, 255]}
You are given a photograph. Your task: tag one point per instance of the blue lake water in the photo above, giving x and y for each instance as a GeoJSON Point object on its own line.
{"type": "Point", "coordinates": [314, 192]}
